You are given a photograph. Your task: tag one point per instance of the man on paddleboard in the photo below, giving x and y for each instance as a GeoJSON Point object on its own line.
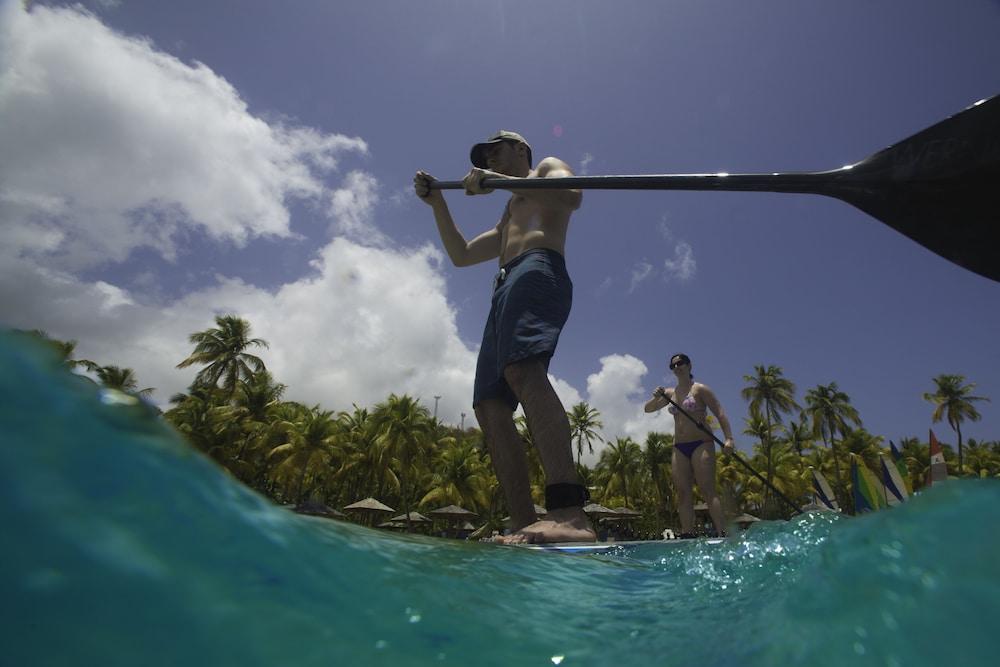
{"type": "Point", "coordinates": [532, 294]}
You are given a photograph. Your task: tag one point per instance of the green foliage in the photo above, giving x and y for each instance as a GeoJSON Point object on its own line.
{"type": "Point", "coordinates": [396, 452]}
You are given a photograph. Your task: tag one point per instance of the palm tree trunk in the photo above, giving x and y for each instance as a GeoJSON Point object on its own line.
{"type": "Point", "coordinates": [958, 430]}
{"type": "Point", "coordinates": [302, 479]}
{"type": "Point", "coordinates": [767, 490]}
{"type": "Point", "coordinates": [836, 467]}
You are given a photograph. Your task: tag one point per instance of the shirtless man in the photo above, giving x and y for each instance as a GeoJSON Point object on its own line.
{"type": "Point", "coordinates": [694, 450]}
{"type": "Point", "coordinates": [532, 294]}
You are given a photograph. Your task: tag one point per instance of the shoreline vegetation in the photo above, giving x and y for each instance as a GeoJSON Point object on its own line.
{"type": "Point", "coordinates": [399, 453]}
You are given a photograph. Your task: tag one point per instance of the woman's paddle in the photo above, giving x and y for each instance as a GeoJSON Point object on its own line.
{"type": "Point", "coordinates": [708, 432]}
{"type": "Point", "coordinates": [940, 187]}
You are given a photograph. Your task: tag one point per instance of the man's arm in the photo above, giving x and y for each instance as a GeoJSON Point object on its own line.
{"type": "Point", "coordinates": [484, 247]}
{"type": "Point", "coordinates": [550, 167]}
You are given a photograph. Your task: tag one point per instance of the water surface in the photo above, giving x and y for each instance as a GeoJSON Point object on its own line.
{"type": "Point", "coordinates": [123, 546]}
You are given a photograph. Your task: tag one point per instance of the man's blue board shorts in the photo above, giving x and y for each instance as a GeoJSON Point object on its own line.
{"type": "Point", "coordinates": [532, 295]}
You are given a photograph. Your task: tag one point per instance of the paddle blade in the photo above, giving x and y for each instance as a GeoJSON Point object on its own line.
{"type": "Point", "coordinates": [940, 187]}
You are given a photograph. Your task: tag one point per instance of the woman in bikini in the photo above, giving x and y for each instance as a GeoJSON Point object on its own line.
{"type": "Point", "coordinates": [694, 450]}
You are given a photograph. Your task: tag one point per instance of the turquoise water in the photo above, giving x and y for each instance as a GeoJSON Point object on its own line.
{"type": "Point", "coordinates": [122, 546]}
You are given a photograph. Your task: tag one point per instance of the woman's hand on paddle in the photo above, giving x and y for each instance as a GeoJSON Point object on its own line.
{"type": "Point", "coordinates": [660, 392]}
{"type": "Point", "coordinates": [474, 179]}
{"type": "Point", "coordinates": [729, 447]}
{"type": "Point", "coordinates": [422, 187]}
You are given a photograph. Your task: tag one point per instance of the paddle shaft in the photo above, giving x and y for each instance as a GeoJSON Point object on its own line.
{"type": "Point", "coordinates": [804, 182]}
{"type": "Point", "coordinates": [739, 458]}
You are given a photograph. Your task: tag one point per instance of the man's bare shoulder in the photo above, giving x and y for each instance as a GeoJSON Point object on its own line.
{"type": "Point", "coordinates": [552, 167]}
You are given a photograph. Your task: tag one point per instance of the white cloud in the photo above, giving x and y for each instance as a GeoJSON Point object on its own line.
{"type": "Point", "coordinates": [110, 144]}
{"type": "Point", "coordinates": [616, 392]}
{"type": "Point", "coordinates": [683, 265]}
{"type": "Point", "coordinates": [664, 227]}
{"type": "Point", "coordinates": [640, 272]}
{"type": "Point", "coordinates": [585, 163]}
{"type": "Point", "coordinates": [566, 392]}
{"type": "Point", "coordinates": [352, 205]}
{"type": "Point", "coordinates": [353, 332]}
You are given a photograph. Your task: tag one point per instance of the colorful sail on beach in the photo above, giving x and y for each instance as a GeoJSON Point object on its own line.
{"type": "Point", "coordinates": [823, 492]}
{"type": "Point", "coordinates": [892, 482]}
{"type": "Point", "coordinates": [939, 470]}
{"type": "Point", "coordinates": [866, 487]}
{"type": "Point", "coordinates": [904, 472]}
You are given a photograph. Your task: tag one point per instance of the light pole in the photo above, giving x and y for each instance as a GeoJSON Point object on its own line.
{"type": "Point", "coordinates": [436, 399]}
{"type": "Point", "coordinates": [463, 421]}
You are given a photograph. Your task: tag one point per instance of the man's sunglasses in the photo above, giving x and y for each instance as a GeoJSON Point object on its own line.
{"type": "Point", "coordinates": [675, 364]}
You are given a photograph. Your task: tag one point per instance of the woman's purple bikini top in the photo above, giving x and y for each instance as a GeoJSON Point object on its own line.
{"type": "Point", "coordinates": [689, 404]}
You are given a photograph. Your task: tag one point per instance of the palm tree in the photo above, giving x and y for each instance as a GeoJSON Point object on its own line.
{"type": "Point", "coordinates": [406, 429]}
{"type": "Point", "coordinates": [310, 446]}
{"type": "Point", "coordinates": [789, 476]}
{"type": "Point", "coordinates": [917, 457]}
{"type": "Point", "coordinates": [980, 460]}
{"type": "Point", "coordinates": [223, 351]}
{"type": "Point", "coordinates": [255, 411]}
{"type": "Point", "coordinates": [459, 477]}
{"type": "Point", "coordinates": [195, 416]}
{"type": "Point", "coordinates": [122, 379]}
{"type": "Point", "coordinates": [583, 420]}
{"type": "Point", "coordinates": [770, 395]}
{"type": "Point", "coordinates": [656, 457]}
{"type": "Point", "coordinates": [63, 349]}
{"type": "Point", "coordinates": [366, 469]}
{"type": "Point", "coordinates": [953, 401]}
{"type": "Point", "coordinates": [620, 465]}
{"type": "Point", "coordinates": [831, 412]}
{"type": "Point", "coordinates": [536, 474]}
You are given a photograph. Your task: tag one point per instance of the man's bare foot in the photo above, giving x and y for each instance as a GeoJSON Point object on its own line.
{"type": "Point", "coordinates": [568, 524]}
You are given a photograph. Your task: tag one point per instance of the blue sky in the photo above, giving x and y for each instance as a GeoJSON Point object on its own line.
{"type": "Point", "coordinates": [165, 162]}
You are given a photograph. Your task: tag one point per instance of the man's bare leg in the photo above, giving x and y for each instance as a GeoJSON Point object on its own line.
{"type": "Point", "coordinates": [550, 431]}
{"type": "Point", "coordinates": [510, 462]}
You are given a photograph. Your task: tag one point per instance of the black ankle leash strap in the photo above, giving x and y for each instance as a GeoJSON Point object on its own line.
{"type": "Point", "coordinates": [558, 496]}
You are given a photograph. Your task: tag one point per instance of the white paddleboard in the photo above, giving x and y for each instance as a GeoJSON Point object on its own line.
{"type": "Point", "coordinates": [609, 547]}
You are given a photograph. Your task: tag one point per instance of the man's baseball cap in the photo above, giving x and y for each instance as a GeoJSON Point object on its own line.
{"type": "Point", "coordinates": [478, 153]}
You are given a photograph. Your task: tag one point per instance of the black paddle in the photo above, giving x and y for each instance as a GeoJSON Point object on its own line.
{"type": "Point", "coordinates": [708, 432]}
{"type": "Point", "coordinates": [940, 187]}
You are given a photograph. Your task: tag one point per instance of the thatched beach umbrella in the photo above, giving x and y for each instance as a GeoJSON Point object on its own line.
{"type": "Point", "coordinates": [415, 517]}
{"type": "Point", "coordinates": [368, 508]}
{"type": "Point", "coordinates": [369, 505]}
{"type": "Point", "coordinates": [452, 513]}
{"type": "Point", "coordinates": [596, 511]}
